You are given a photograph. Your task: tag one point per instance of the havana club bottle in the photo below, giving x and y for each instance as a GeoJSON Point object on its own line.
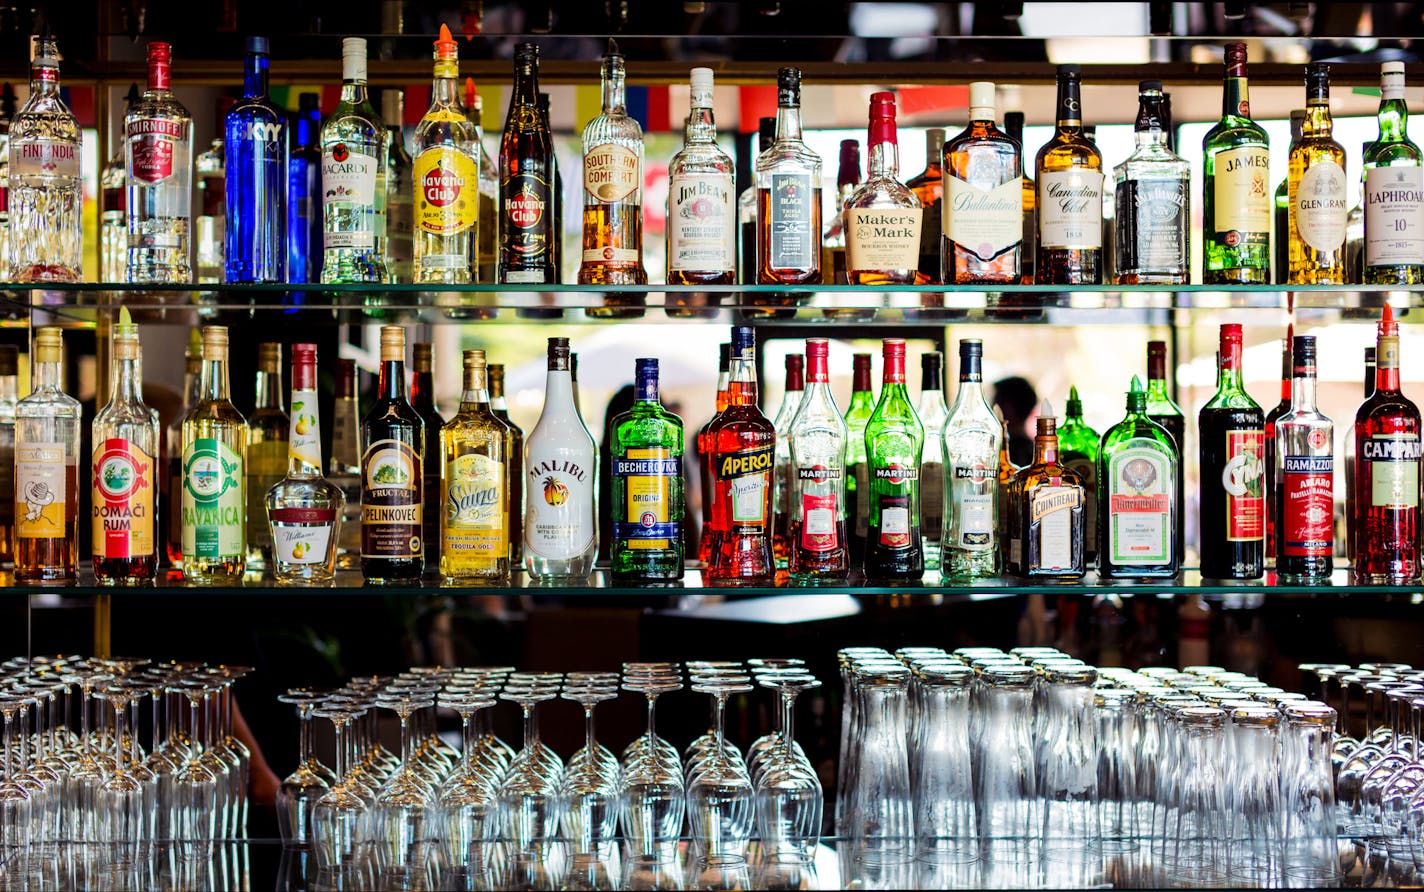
{"type": "Point", "coordinates": [742, 442]}
{"type": "Point", "coordinates": [820, 553]}
{"type": "Point", "coordinates": [1305, 478]}
{"type": "Point", "coordinates": [894, 445]}
{"type": "Point", "coordinates": [528, 239]}
{"type": "Point", "coordinates": [446, 181]}
{"type": "Point", "coordinates": [1232, 456]}
{"type": "Point", "coordinates": [1386, 510]}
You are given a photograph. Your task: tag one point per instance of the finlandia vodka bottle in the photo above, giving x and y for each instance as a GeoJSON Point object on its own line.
{"type": "Point", "coordinates": [45, 192]}
{"type": "Point", "coordinates": [256, 145]}
{"type": "Point", "coordinates": [560, 526]}
{"type": "Point", "coordinates": [353, 178]}
{"type": "Point", "coordinates": [158, 159]}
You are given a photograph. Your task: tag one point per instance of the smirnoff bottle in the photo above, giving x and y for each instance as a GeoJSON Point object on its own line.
{"type": "Point", "coordinates": [1305, 478]}
{"type": "Point", "coordinates": [972, 443]}
{"type": "Point", "coordinates": [353, 178]}
{"type": "Point", "coordinates": [256, 147]}
{"type": "Point", "coordinates": [819, 549]}
{"type": "Point", "coordinates": [125, 472]}
{"type": "Point", "coordinates": [742, 442]}
{"type": "Point", "coordinates": [44, 189]}
{"type": "Point", "coordinates": [894, 443]}
{"type": "Point", "coordinates": [158, 139]}
{"type": "Point", "coordinates": [560, 525]}
{"type": "Point", "coordinates": [1386, 511]}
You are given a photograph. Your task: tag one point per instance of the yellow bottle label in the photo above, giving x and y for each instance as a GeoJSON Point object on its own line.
{"type": "Point", "coordinates": [40, 497]}
{"type": "Point", "coordinates": [447, 195]}
{"type": "Point", "coordinates": [123, 500]}
{"type": "Point", "coordinates": [476, 512]}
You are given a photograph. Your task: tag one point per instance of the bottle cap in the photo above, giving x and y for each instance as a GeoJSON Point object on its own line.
{"type": "Point", "coordinates": [1070, 72]}
{"type": "Point", "coordinates": [346, 379]}
{"type": "Point", "coordinates": [788, 79]}
{"type": "Point", "coordinates": [269, 357]}
{"type": "Point", "coordinates": [445, 45]}
{"type": "Point", "coordinates": [1388, 328]}
{"type": "Point", "coordinates": [970, 347]}
{"type": "Point", "coordinates": [160, 61]}
{"type": "Point", "coordinates": [302, 352]}
{"type": "Point", "coordinates": [470, 359]}
{"type": "Point", "coordinates": [1231, 331]}
{"type": "Point", "coordinates": [304, 367]}
{"type": "Point", "coordinates": [981, 101]}
{"type": "Point", "coordinates": [125, 329]}
{"type": "Point", "coordinates": [44, 50]}
{"type": "Point", "coordinates": [1303, 350]}
{"type": "Point", "coordinates": [644, 365]}
{"type": "Point", "coordinates": [392, 343]}
{"type": "Point", "coordinates": [422, 356]}
{"type": "Point", "coordinates": [525, 51]}
{"type": "Point", "coordinates": [860, 361]}
{"type": "Point", "coordinates": [882, 121]}
{"type": "Point", "coordinates": [701, 86]}
{"type": "Point", "coordinates": [892, 347]}
{"type": "Point", "coordinates": [1075, 404]}
{"type": "Point", "coordinates": [818, 348]}
{"type": "Point", "coordinates": [934, 143]}
{"type": "Point", "coordinates": [1047, 426]}
{"type": "Point", "coordinates": [1136, 396]}
{"type": "Point", "coordinates": [9, 360]}
{"type": "Point", "coordinates": [558, 346]}
{"type": "Point", "coordinates": [49, 344]}
{"type": "Point", "coordinates": [743, 342]}
{"type": "Point", "coordinates": [1236, 59]}
{"type": "Point", "coordinates": [612, 59]}
{"type": "Point", "coordinates": [214, 342]}
{"type": "Point", "coordinates": [848, 171]}
{"type": "Point", "coordinates": [353, 59]}
{"type": "Point", "coordinates": [766, 134]}
{"type": "Point", "coordinates": [795, 371]}
{"type": "Point", "coordinates": [472, 98]}
{"type": "Point", "coordinates": [1149, 87]}
{"type": "Point", "coordinates": [160, 52]}
{"type": "Point", "coordinates": [496, 373]}
{"type": "Point", "coordinates": [256, 46]}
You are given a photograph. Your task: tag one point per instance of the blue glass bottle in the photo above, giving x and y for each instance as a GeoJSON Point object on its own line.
{"type": "Point", "coordinates": [256, 143]}
{"type": "Point", "coordinates": [304, 239]}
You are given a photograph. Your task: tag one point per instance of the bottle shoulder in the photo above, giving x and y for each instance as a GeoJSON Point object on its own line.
{"type": "Point", "coordinates": [1234, 132]}
{"type": "Point", "coordinates": [789, 156]}
{"type": "Point", "coordinates": [47, 404]}
{"type": "Point", "coordinates": [1138, 432]}
{"type": "Point", "coordinates": [881, 192]}
{"type": "Point", "coordinates": [216, 410]}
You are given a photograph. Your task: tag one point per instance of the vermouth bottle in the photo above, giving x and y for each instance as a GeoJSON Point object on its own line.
{"type": "Point", "coordinates": [528, 237]}
{"type": "Point", "coordinates": [1272, 457]}
{"type": "Point", "coordinates": [392, 485]}
{"type": "Point", "coordinates": [882, 217]}
{"type": "Point", "coordinates": [1319, 206]}
{"type": "Point", "coordinates": [1137, 509]}
{"type": "Point", "coordinates": [974, 446]}
{"type": "Point", "coordinates": [125, 472]}
{"type": "Point", "coordinates": [702, 194]}
{"type": "Point", "coordinates": [1386, 511]}
{"type": "Point", "coordinates": [790, 403]}
{"type": "Point", "coordinates": [982, 226]}
{"type": "Point", "coordinates": [473, 482]}
{"type": "Point", "coordinates": [742, 442]}
{"type": "Point", "coordinates": [447, 178]}
{"type": "Point", "coordinates": [44, 191]}
{"type": "Point", "coordinates": [1305, 478]}
{"type": "Point", "coordinates": [711, 518]}
{"type": "Point", "coordinates": [158, 140]}
{"type": "Point", "coordinates": [514, 464]}
{"type": "Point", "coordinates": [1163, 410]}
{"type": "Point", "coordinates": [1078, 446]}
{"type": "Point", "coordinates": [353, 179]}
{"type": "Point", "coordinates": [819, 549]}
{"type": "Point", "coordinates": [1152, 223]}
{"type": "Point", "coordinates": [9, 395]}
{"type": "Point", "coordinates": [214, 475]}
{"type": "Point", "coordinates": [268, 428]}
{"type": "Point", "coordinates": [256, 145]}
{"type": "Point", "coordinates": [172, 488]}
{"type": "Point", "coordinates": [933, 414]}
{"type": "Point", "coordinates": [1236, 197]}
{"type": "Point", "coordinates": [788, 177]}
{"type": "Point", "coordinates": [1070, 196]}
{"type": "Point", "coordinates": [560, 456]}
{"type": "Point", "coordinates": [862, 406]}
{"type": "Point", "coordinates": [1048, 520]}
{"type": "Point", "coordinates": [46, 491]}
{"type": "Point", "coordinates": [422, 400]}
{"type": "Point", "coordinates": [1394, 191]}
{"type": "Point", "coordinates": [1232, 454]}
{"type": "Point", "coordinates": [894, 445]}
{"type": "Point", "coordinates": [648, 487]}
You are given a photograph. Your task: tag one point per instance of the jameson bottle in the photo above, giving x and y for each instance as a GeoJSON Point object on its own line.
{"type": "Point", "coordinates": [1070, 196]}
{"type": "Point", "coordinates": [124, 472]}
{"type": "Point", "coordinates": [1236, 196]}
{"type": "Point", "coordinates": [1305, 478]}
{"type": "Point", "coordinates": [473, 483]}
{"type": "Point", "coordinates": [1137, 508]}
{"type": "Point", "coordinates": [742, 442]}
{"type": "Point", "coordinates": [1048, 513]}
{"type": "Point", "coordinates": [820, 552]}
{"type": "Point", "coordinates": [214, 475]}
{"type": "Point", "coordinates": [514, 465]}
{"type": "Point", "coordinates": [1232, 455]}
{"type": "Point", "coordinates": [560, 524]}
{"type": "Point", "coordinates": [933, 413]}
{"type": "Point", "coordinates": [527, 237]}
{"type": "Point", "coordinates": [790, 403]}
{"type": "Point", "coordinates": [1163, 410]}
{"type": "Point", "coordinates": [393, 434]}
{"type": "Point", "coordinates": [862, 406]}
{"type": "Point", "coordinates": [46, 493]}
{"type": "Point", "coordinates": [1394, 191]}
{"type": "Point", "coordinates": [711, 519]}
{"type": "Point", "coordinates": [894, 444]}
{"type": "Point", "coordinates": [1386, 510]}
{"type": "Point", "coordinates": [1078, 450]}
{"type": "Point", "coordinates": [973, 445]}
{"type": "Point", "coordinates": [647, 487]}
{"type": "Point", "coordinates": [422, 400]}
{"type": "Point", "coordinates": [982, 225]}
{"type": "Point", "coordinates": [268, 428]}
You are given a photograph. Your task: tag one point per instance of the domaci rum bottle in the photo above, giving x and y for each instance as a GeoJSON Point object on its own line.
{"type": "Point", "coordinates": [528, 239]}
{"type": "Point", "coordinates": [790, 403]}
{"type": "Point", "coordinates": [1232, 452]}
{"type": "Point", "coordinates": [447, 178]}
{"type": "Point", "coordinates": [982, 228]}
{"type": "Point", "coordinates": [702, 194]}
{"type": "Point", "coordinates": [894, 444]}
{"type": "Point", "coordinates": [214, 475]}
{"type": "Point", "coordinates": [560, 456]}
{"type": "Point", "coordinates": [1070, 196]}
{"type": "Point", "coordinates": [1236, 196]}
{"type": "Point", "coordinates": [1078, 450]}
{"type": "Point", "coordinates": [514, 464]}
{"type": "Point", "coordinates": [1319, 206]}
{"type": "Point", "coordinates": [647, 487]}
{"type": "Point", "coordinates": [256, 145]}
{"type": "Point", "coordinates": [353, 179]}
{"type": "Point", "coordinates": [820, 553]}
{"type": "Point", "coordinates": [46, 494]}
{"type": "Point", "coordinates": [1386, 512]}
{"type": "Point", "coordinates": [268, 428]}
{"type": "Point", "coordinates": [973, 445]}
{"type": "Point", "coordinates": [422, 400]}
{"type": "Point", "coordinates": [1137, 508]}
{"type": "Point", "coordinates": [882, 217]}
{"type": "Point", "coordinates": [125, 474]}
{"type": "Point", "coordinates": [1305, 475]}
{"type": "Point", "coordinates": [158, 133]}
{"type": "Point", "coordinates": [393, 437]}
{"type": "Point", "coordinates": [1394, 191]}
{"type": "Point", "coordinates": [45, 192]}
{"type": "Point", "coordinates": [742, 442]}
{"type": "Point", "coordinates": [473, 483]}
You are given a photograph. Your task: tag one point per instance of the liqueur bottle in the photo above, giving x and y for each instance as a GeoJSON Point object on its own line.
{"type": "Point", "coordinates": [353, 179]}
{"type": "Point", "coordinates": [486, 241]}
{"type": "Point", "coordinates": [214, 543]}
{"type": "Point", "coordinates": [1351, 463]}
{"type": "Point", "coordinates": [9, 395]}
{"type": "Point", "coordinates": [1152, 223]}
{"type": "Point", "coordinates": [782, 479]}
{"type": "Point", "coordinates": [1394, 191]}
{"type": "Point", "coordinates": [125, 474]}
{"type": "Point", "coordinates": [1070, 196]}
{"type": "Point", "coordinates": [648, 487]}
{"type": "Point", "coordinates": [928, 187]}
{"type": "Point", "coordinates": [1236, 199]}
{"type": "Point", "coordinates": [560, 523]}
{"type": "Point", "coordinates": [172, 488]}
{"type": "Point", "coordinates": [976, 471]}
{"type": "Point", "coordinates": [1006, 530]}
{"type": "Point", "coordinates": [392, 485]}
{"type": "Point", "coordinates": [742, 442]}
{"type": "Point", "coordinates": [882, 217]}
{"type": "Point", "coordinates": [45, 191]}
{"type": "Point", "coordinates": [819, 553]}
{"type": "Point", "coordinates": [1137, 510]}
{"type": "Point", "coordinates": [46, 491]}
{"type": "Point", "coordinates": [711, 516]}
{"type": "Point", "coordinates": [1231, 453]}
{"type": "Point", "coordinates": [788, 180]}
{"type": "Point", "coordinates": [1319, 207]}
{"type": "Point", "coordinates": [982, 226]}
{"type": "Point", "coordinates": [1305, 478]}
{"type": "Point", "coordinates": [1014, 127]}
{"type": "Point", "coordinates": [747, 212]}
{"type": "Point", "coordinates": [857, 417]}
{"type": "Point", "coordinates": [833, 239]}
{"type": "Point", "coordinates": [304, 199]}
{"type": "Point", "coordinates": [1280, 237]}
{"type": "Point", "coordinates": [303, 509]}
{"type": "Point", "coordinates": [158, 146]}
{"type": "Point", "coordinates": [210, 226]}
{"type": "Point", "coordinates": [1078, 447]}
{"type": "Point", "coordinates": [268, 428]}
{"type": "Point", "coordinates": [422, 400]}
{"type": "Point", "coordinates": [344, 471]}
{"type": "Point", "coordinates": [473, 483]}
{"type": "Point", "coordinates": [447, 178]}
{"type": "Point", "coordinates": [894, 445]}
{"type": "Point", "coordinates": [1048, 513]}
{"type": "Point", "coordinates": [528, 238]}
{"type": "Point", "coordinates": [401, 188]}
{"type": "Point", "coordinates": [933, 414]}
{"type": "Point", "coordinates": [1162, 409]}
{"type": "Point", "coordinates": [1386, 511]}
{"type": "Point", "coordinates": [514, 464]}
{"type": "Point", "coordinates": [113, 221]}
{"type": "Point", "coordinates": [256, 146]}
{"type": "Point", "coordinates": [1272, 458]}
{"type": "Point", "coordinates": [702, 191]}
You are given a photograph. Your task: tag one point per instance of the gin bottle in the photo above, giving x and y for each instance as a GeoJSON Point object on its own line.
{"type": "Point", "coordinates": [125, 472]}
{"type": "Point", "coordinates": [820, 550]}
{"type": "Point", "coordinates": [113, 197]}
{"type": "Point", "coordinates": [933, 414]}
{"type": "Point", "coordinates": [214, 480]}
{"type": "Point", "coordinates": [46, 491]}
{"type": "Point", "coordinates": [158, 160]}
{"type": "Point", "coordinates": [473, 486]}
{"type": "Point", "coordinates": [45, 192]}
{"type": "Point", "coordinates": [447, 178]}
{"type": "Point", "coordinates": [560, 524]}
{"type": "Point", "coordinates": [701, 213]}
{"type": "Point", "coordinates": [353, 179]}
{"type": "Point", "coordinates": [648, 487]}
{"type": "Point", "coordinates": [974, 448]}
{"type": "Point", "coordinates": [1152, 221]}
{"type": "Point", "coordinates": [256, 147]}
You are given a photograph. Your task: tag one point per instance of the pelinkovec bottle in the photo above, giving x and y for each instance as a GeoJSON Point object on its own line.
{"type": "Point", "coordinates": [392, 483]}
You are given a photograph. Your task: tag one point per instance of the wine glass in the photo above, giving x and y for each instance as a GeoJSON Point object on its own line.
{"type": "Point", "coordinates": [15, 804]}
{"type": "Point", "coordinates": [404, 824]}
{"type": "Point", "coordinates": [719, 791]}
{"type": "Point", "coordinates": [301, 789]}
{"type": "Point", "coordinates": [196, 796]}
{"type": "Point", "coordinates": [469, 801]}
{"type": "Point", "coordinates": [789, 798]}
{"type": "Point", "coordinates": [590, 793]}
{"type": "Point", "coordinates": [654, 791]}
{"type": "Point", "coordinates": [528, 798]}
{"type": "Point", "coordinates": [338, 820]}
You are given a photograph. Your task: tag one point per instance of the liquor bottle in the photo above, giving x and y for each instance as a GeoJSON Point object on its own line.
{"type": "Point", "coordinates": [125, 476]}
{"type": "Point", "coordinates": [1394, 184]}
{"type": "Point", "coordinates": [711, 516]}
{"type": "Point", "coordinates": [1318, 205]}
{"type": "Point", "coordinates": [742, 446]}
{"type": "Point", "coordinates": [560, 456]}
{"type": "Point", "coordinates": [702, 191]}
{"type": "Point", "coordinates": [788, 182]}
{"type": "Point", "coordinates": [1138, 512]}
{"type": "Point", "coordinates": [983, 207]}
{"type": "Point", "coordinates": [172, 457]}
{"type": "Point", "coordinates": [304, 509]}
{"type": "Point", "coordinates": [214, 544]}
{"type": "Point", "coordinates": [353, 179]}
{"type": "Point", "coordinates": [1305, 478]}
{"type": "Point", "coordinates": [1386, 510]}
{"type": "Point", "coordinates": [1048, 513]}
{"type": "Point", "coordinates": [9, 395]}
{"type": "Point", "coordinates": [976, 473]}
{"type": "Point", "coordinates": [447, 178]}
{"type": "Point", "coordinates": [158, 146]}
{"type": "Point", "coordinates": [514, 464]}
{"type": "Point", "coordinates": [46, 491]}
{"type": "Point", "coordinates": [933, 414]}
{"type": "Point", "coordinates": [1351, 465]}
{"type": "Point", "coordinates": [882, 217]}
{"type": "Point", "coordinates": [558, 181]}
{"type": "Point", "coordinates": [1280, 237]}
{"type": "Point", "coordinates": [1078, 448]}
{"type": "Point", "coordinates": [1232, 462]}
{"type": "Point", "coordinates": [304, 199]}
{"type": "Point", "coordinates": [833, 239]}
{"type": "Point", "coordinates": [392, 485]}
{"type": "Point", "coordinates": [44, 191]}
{"type": "Point", "coordinates": [487, 239]}
{"type": "Point", "coordinates": [1014, 126]}
{"type": "Point", "coordinates": [1152, 223]}
{"type": "Point", "coordinates": [528, 238]}
{"type": "Point", "coordinates": [1162, 409]}
{"type": "Point", "coordinates": [1006, 528]}
{"type": "Point", "coordinates": [268, 428]}
{"type": "Point", "coordinates": [344, 471]}
{"type": "Point", "coordinates": [473, 485]}
{"type": "Point", "coordinates": [401, 187]}
{"type": "Point", "coordinates": [820, 553]}
{"type": "Point", "coordinates": [210, 225]}
{"type": "Point", "coordinates": [857, 417]}
{"type": "Point", "coordinates": [747, 211]}
{"type": "Point", "coordinates": [113, 195]}
{"type": "Point", "coordinates": [1355, 236]}
{"type": "Point", "coordinates": [1272, 459]}
{"type": "Point", "coordinates": [894, 445]}
{"type": "Point", "coordinates": [781, 480]}
{"type": "Point", "coordinates": [422, 400]}
{"type": "Point", "coordinates": [928, 187]}
{"type": "Point", "coordinates": [256, 141]}
{"type": "Point", "coordinates": [1070, 196]}
{"type": "Point", "coordinates": [1236, 202]}
{"type": "Point", "coordinates": [7, 114]}
{"type": "Point", "coordinates": [648, 487]}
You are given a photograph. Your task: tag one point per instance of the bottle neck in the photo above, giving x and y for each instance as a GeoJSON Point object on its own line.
{"type": "Point", "coordinates": [559, 393]}
{"type": "Point", "coordinates": [1393, 119]}
{"type": "Point", "coordinates": [474, 396]}
{"type": "Point", "coordinates": [1235, 103]}
{"type": "Point", "coordinates": [269, 389]}
{"type": "Point", "coordinates": [724, 381]}
{"type": "Point", "coordinates": [354, 92]}
{"type": "Point", "coordinates": [10, 389]}
{"type": "Point", "coordinates": [701, 128]}
{"type": "Point", "coordinates": [422, 390]}
{"type": "Point", "coordinates": [254, 77]}
{"type": "Point", "coordinates": [742, 383]}
{"type": "Point", "coordinates": [192, 388]}
{"type": "Point", "coordinates": [1045, 450]}
{"type": "Point", "coordinates": [44, 81]}
{"type": "Point", "coordinates": [614, 91]}
{"type": "Point", "coordinates": [788, 121]}
{"type": "Point", "coordinates": [1318, 122]}
{"type": "Point", "coordinates": [445, 87]}
{"type": "Point", "coordinates": [1229, 372]}
{"type": "Point", "coordinates": [1070, 107]}
{"type": "Point", "coordinates": [128, 382]}
{"type": "Point", "coordinates": [1302, 389]}
{"type": "Point", "coordinates": [885, 160]}
{"type": "Point", "coordinates": [392, 380]}
{"type": "Point", "coordinates": [304, 437]}
{"type": "Point", "coordinates": [934, 152]}
{"type": "Point", "coordinates": [214, 386]}
{"type": "Point", "coordinates": [1387, 364]}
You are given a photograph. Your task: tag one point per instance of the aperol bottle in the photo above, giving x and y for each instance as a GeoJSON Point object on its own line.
{"type": "Point", "coordinates": [742, 442]}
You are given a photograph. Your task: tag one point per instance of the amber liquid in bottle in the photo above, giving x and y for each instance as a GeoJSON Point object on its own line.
{"type": "Point", "coordinates": [46, 458]}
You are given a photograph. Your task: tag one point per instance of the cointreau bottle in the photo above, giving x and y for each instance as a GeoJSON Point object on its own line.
{"type": "Point", "coordinates": [820, 552]}
{"type": "Point", "coordinates": [882, 217]}
{"type": "Point", "coordinates": [982, 225]}
{"type": "Point", "coordinates": [742, 442]}
{"type": "Point", "coordinates": [1272, 458]}
{"type": "Point", "coordinates": [46, 491]}
{"type": "Point", "coordinates": [1232, 456]}
{"type": "Point", "coordinates": [528, 239]}
{"type": "Point", "coordinates": [1048, 510]}
{"type": "Point", "coordinates": [1386, 511]}
{"type": "Point", "coordinates": [1070, 196]}
{"type": "Point", "coordinates": [393, 440]}
{"type": "Point", "coordinates": [125, 472]}
{"type": "Point", "coordinates": [1394, 184]}
{"type": "Point", "coordinates": [648, 487]}
{"type": "Point", "coordinates": [788, 196]}
{"type": "Point", "coordinates": [894, 444]}
{"type": "Point", "coordinates": [711, 520]}
{"type": "Point", "coordinates": [1236, 196]}
{"type": "Point", "coordinates": [1319, 204]}
{"type": "Point", "coordinates": [1137, 508]}
{"type": "Point", "coordinates": [1305, 478]}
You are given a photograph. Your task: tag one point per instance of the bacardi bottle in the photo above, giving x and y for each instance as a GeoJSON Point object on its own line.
{"type": "Point", "coordinates": [742, 442]}
{"type": "Point", "coordinates": [1394, 191]}
{"type": "Point", "coordinates": [1137, 508]}
{"type": "Point", "coordinates": [256, 145]}
{"type": "Point", "coordinates": [214, 475]}
{"type": "Point", "coordinates": [1236, 196]}
{"type": "Point", "coordinates": [1386, 512]}
{"type": "Point", "coordinates": [447, 178]}
{"type": "Point", "coordinates": [353, 179]}
{"type": "Point", "coordinates": [647, 488]}
{"type": "Point", "coordinates": [819, 549]}
{"type": "Point", "coordinates": [701, 213]}
{"type": "Point", "coordinates": [790, 402]}
{"type": "Point", "coordinates": [894, 445]}
{"type": "Point", "coordinates": [125, 472]}
{"type": "Point", "coordinates": [560, 524]}
{"type": "Point", "coordinates": [1232, 455]}
{"type": "Point", "coordinates": [982, 226]}
{"type": "Point", "coordinates": [46, 491]}
{"type": "Point", "coordinates": [158, 138]}
{"type": "Point", "coordinates": [473, 482]}
{"type": "Point", "coordinates": [45, 192]}
{"type": "Point", "coordinates": [973, 446]}
{"type": "Point", "coordinates": [392, 485]}
{"type": "Point", "coordinates": [1305, 475]}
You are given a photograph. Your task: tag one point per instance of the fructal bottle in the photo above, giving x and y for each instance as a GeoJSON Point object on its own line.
{"type": "Point", "coordinates": [45, 192]}
{"type": "Point", "coordinates": [210, 225]}
{"type": "Point", "coordinates": [158, 146]}
{"type": "Point", "coordinates": [560, 456]}
{"type": "Point", "coordinates": [1280, 208]}
{"type": "Point", "coordinates": [790, 403]}
{"type": "Point", "coordinates": [648, 487]}
{"type": "Point", "coordinates": [392, 484]}
{"type": "Point", "coordinates": [1070, 196]}
{"type": "Point", "coordinates": [125, 473]}
{"type": "Point", "coordinates": [473, 483]}
{"type": "Point", "coordinates": [267, 430]}
{"type": "Point", "coordinates": [304, 226]}
{"type": "Point", "coordinates": [933, 414]}
{"type": "Point", "coordinates": [1152, 222]}
{"type": "Point", "coordinates": [345, 468]}
{"type": "Point", "coordinates": [1319, 206]}
{"type": "Point", "coordinates": [1162, 409]}
{"type": "Point", "coordinates": [214, 475]}
{"type": "Point", "coordinates": [1394, 191]}
{"type": "Point", "coordinates": [1232, 454]}
{"type": "Point", "coordinates": [1078, 446]}
{"type": "Point", "coordinates": [113, 198]}
{"type": "Point", "coordinates": [747, 212]}
{"type": "Point", "coordinates": [304, 509]}
{"type": "Point", "coordinates": [401, 187]}
{"type": "Point", "coordinates": [514, 464]}
{"type": "Point", "coordinates": [788, 179]}
{"type": "Point", "coordinates": [1236, 198]}
{"type": "Point", "coordinates": [1049, 508]}
{"type": "Point", "coordinates": [528, 238]}
{"type": "Point", "coordinates": [894, 443]}
{"type": "Point", "coordinates": [742, 446]}
{"type": "Point", "coordinates": [353, 179]}
{"type": "Point", "coordinates": [172, 488]}
{"type": "Point", "coordinates": [9, 392]}
{"type": "Point", "coordinates": [1137, 509]}
{"type": "Point", "coordinates": [833, 240]}
{"type": "Point", "coordinates": [46, 491]}
{"type": "Point", "coordinates": [973, 444]}
{"type": "Point", "coordinates": [447, 177]}
{"type": "Point", "coordinates": [928, 187]}
{"type": "Point", "coordinates": [711, 517]}
{"type": "Point", "coordinates": [256, 144]}
{"type": "Point", "coordinates": [862, 406]}
{"type": "Point", "coordinates": [1272, 457]}
{"type": "Point", "coordinates": [820, 551]}
{"type": "Point", "coordinates": [422, 400]}
{"type": "Point", "coordinates": [1386, 514]}
{"type": "Point", "coordinates": [1305, 474]}
{"type": "Point", "coordinates": [882, 217]}
{"type": "Point", "coordinates": [983, 203]}
{"type": "Point", "coordinates": [702, 194]}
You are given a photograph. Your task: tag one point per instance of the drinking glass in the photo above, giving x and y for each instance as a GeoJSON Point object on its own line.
{"type": "Point", "coordinates": [301, 789]}
{"type": "Point", "coordinates": [469, 801]}
{"type": "Point", "coordinates": [940, 764]}
{"type": "Point", "coordinates": [195, 793]}
{"type": "Point", "coordinates": [1256, 851]}
{"type": "Point", "coordinates": [1068, 774]}
{"type": "Point", "coordinates": [789, 798]}
{"type": "Point", "coordinates": [123, 798]}
{"type": "Point", "coordinates": [719, 791]}
{"type": "Point", "coordinates": [1199, 829]}
{"type": "Point", "coordinates": [1308, 797]}
{"type": "Point", "coordinates": [404, 828]}
{"type": "Point", "coordinates": [654, 791]}
{"type": "Point", "coordinates": [590, 791]}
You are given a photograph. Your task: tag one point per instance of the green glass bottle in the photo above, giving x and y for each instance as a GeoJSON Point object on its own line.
{"type": "Point", "coordinates": [894, 444]}
{"type": "Point", "coordinates": [1162, 409]}
{"type": "Point", "coordinates": [1236, 199]}
{"type": "Point", "coordinates": [862, 406]}
{"type": "Point", "coordinates": [1138, 511]}
{"type": "Point", "coordinates": [1394, 239]}
{"type": "Point", "coordinates": [1078, 450]}
{"type": "Point", "coordinates": [647, 487]}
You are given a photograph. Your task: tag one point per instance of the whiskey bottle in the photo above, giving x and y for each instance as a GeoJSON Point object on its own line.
{"type": "Point", "coordinates": [1070, 196]}
{"type": "Point", "coordinates": [1078, 446]}
{"type": "Point", "coordinates": [158, 140]}
{"type": "Point", "coordinates": [711, 518]}
{"type": "Point", "coordinates": [1236, 200]}
{"type": "Point", "coordinates": [1272, 458]}
{"type": "Point", "coordinates": [1152, 223]}
{"type": "Point", "coordinates": [742, 442]}
{"type": "Point", "coordinates": [862, 406]}
{"type": "Point", "coordinates": [345, 468]}
{"type": "Point", "coordinates": [214, 475]}
{"type": "Point", "coordinates": [46, 492]}
{"type": "Point", "coordinates": [1163, 410]}
{"type": "Point", "coordinates": [514, 464]}
{"type": "Point", "coordinates": [125, 473]}
{"type": "Point", "coordinates": [1394, 191]}
{"type": "Point", "coordinates": [1385, 519]}
{"type": "Point", "coordinates": [894, 445]}
{"type": "Point", "coordinates": [819, 550]}
{"type": "Point", "coordinates": [933, 414]}
{"type": "Point", "coordinates": [353, 179]}
{"type": "Point", "coordinates": [422, 400]}
{"type": "Point", "coordinates": [928, 187]}
{"type": "Point", "coordinates": [1014, 127]}
{"type": "Point", "coordinates": [172, 487]}
{"type": "Point", "coordinates": [782, 480]}
{"type": "Point", "coordinates": [9, 395]}
{"type": "Point", "coordinates": [976, 471]}
{"type": "Point", "coordinates": [446, 180]}
{"type": "Point", "coordinates": [1319, 207]}
{"type": "Point", "coordinates": [983, 206]}
{"type": "Point", "coordinates": [1137, 510]}
{"type": "Point", "coordinates": [747, 211]}
{"type": "Point", "coordinates": [560, 523]}
{"type": "Point", "coordinates": [1048, 506]}
{"type": "Point", "coordinates": [882, 217]}
{"type": "Point", "coordinates": [1231, 453]}
{"type": "Point", "coordinates": [1280, 208]}
{"type": "Point", "coordinates": [473, 483]}
{"type": "Point", "coordinates": [1305, 478]}
{"type": "Point", "coordinates": [833, 239]}
{"type": "Point", "coordinates": [788, 178]}
{"type": "Point", "coordinates": [267, 430]}
{"type": "Point", "coordinates": [528, 238]}
{"type": "Point", "coordinates": [392, 483]}
{"type": "Point", "coordinates": [702, 192]}
{"type": "Point", "coordinates": [648, 487]}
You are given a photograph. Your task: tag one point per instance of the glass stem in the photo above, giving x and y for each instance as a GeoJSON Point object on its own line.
{"type": "Point", "coordinates": [405, 742]}
{"type": "Point", "coordinates": [588, 742]}
{"type": "Point", "coordinates": [339, 728]}
{"type": "Point", "coordinates": [304, 735]}
{"type": "Point", "coordinates": [118, 734]}
{"type": "Point", "coordinates": [719, 711]}
{"type": "Point", "coordinates": [9, 766]}
{"type": "Point", "coordinates": [788, 699]}
{"type": "Point", "coordinates": [531, 730]}
{"type": "Point", "coordinates": [194, 744]}
{"type": "Point", "coordinates": [467, 735]}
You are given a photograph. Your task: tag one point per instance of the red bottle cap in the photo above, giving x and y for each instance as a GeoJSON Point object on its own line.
{"type": "Point", "coordinates": [817, 365]}
{"type": "Point", "coordinates": [304, 366]}
{"type": "Point", "coordinates": [160, 60]}
{"type": "Point", "coordinates": [445, 46]}
{"type": "Point", "coordinates": [1388, 328]}
{"type": "Point", "coordinates": [882, 118]}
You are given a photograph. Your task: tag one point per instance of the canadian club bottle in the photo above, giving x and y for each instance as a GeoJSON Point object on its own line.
{"type": "Point", "coordinates": [1137, 508]}
{"type": "Point", "coordinates": [820, 553]}
{"type": "Point", "coordinates": [711, 520]}
{"type": "Point", "coordinates": [560, 524]}
{"type": "Point", "coordinates": [527, 236]}
{"type": "Point", "coordinates": [894, 443]}
{"type": "Point", "coordinates": [1047, 514]}
{"type": "Point", "coordinates": [1233, 473]}
{"type": "Point", "coordinates": [1305, 478]}
{"type": "Point", "coordinates": [742, 442]}
{"type": "Point", "coordinates": [1070, 196]}
{"type": "Point", "coordinates": [392, 550]}
{"type": "Point", "coordinates": [1386, 510]}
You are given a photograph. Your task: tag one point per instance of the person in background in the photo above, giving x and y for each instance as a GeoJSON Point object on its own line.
{"type": "Point", "coordinates": [1017, 399]}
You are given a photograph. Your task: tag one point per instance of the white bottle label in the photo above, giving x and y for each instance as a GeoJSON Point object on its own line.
{"type": "Point", "coordinates": [1394, 216]}
{"type": "Point", "coordinates": [883, 239]}
{"type": "Point", "coordinates": [44, 157]}
{"type": "Point", "coordinates": [40, 498]}
{"type": "Point", "coordinates": [302, 544]}
{"type": "Point", "coordinates": [347, 177]}
{"type": "Point", "coordinates": [305, 438]}
{"type": "Point", "coordinates": [1140, 483]}
{"type": "Point", "coordinates": [559, 522]}
{"type": "Point", "coordinates": [702, 223]}
{"type": "Point", "coordinates": [1070, 209]}
{"type": "Point", "coordinates": [987, 223]}
{"type": "Point", "coordinates": [1240, 193]}
{"type": "Point", "coordinates": [1320, 206]}
{"type": "Point", "coordinates": [1087, 473]}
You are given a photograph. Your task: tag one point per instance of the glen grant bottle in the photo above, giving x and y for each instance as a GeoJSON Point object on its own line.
{"type": "Point", "coordinates": [392, 546]}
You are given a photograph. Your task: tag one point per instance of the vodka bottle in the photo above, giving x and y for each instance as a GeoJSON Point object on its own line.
{"type": "Point", "coordinates": [158, 161]}
{"type": "Point", "coordinates": [256, 145]}
{"type": "Point", "coordinates": [45, 193]}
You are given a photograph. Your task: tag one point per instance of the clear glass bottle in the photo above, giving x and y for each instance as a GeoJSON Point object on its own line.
{"type": "Point", "coordinates": [972, 444]}
{"type": "Point", "coordinates": [747, 211]}
{"type": "Point", "coordinates": [514, 465]}
{"type": "Point", "coordinates": [172, 488]}
{"type": "Point", "coordinates": [304, 223]}
{"type": "Point", "coordinates": [210, 225]}
{"type": "Point", "coordinates": [344, 469]}
{"type": "Point", "coordinates": [353, 179]}
{"type": "Point", "coordinates": [46, 492]}
{"type": "Point", "coordinates": [857, 416]}
{"type": "Point", "coordinates": [256, 142]}
{"type": "Point", "coordinates": [125, 472]}
{"type": "Point", "coordinates": [820, 550]}
{"type": "Point", "coordinates": [9, 395]}
{"type": "Point", "coordinates": [981, 228]}
{"type": "Point", "coordinates": [928, 187]}
{"type": "Point", "coordinates": [1048, 513]}
{"type": "Point", "coordinates": [788, 182]}
{"type": "Point", "coordinates": [833, 240]}
{"type": "Point", "coordinates": [1137, 510]}
{"type": "Point", "coordinates": [1305, 478]}
{"type": "Point", "coordinates": [702, 233]}
{"type": "Point", "coordinates": [7, 114]}
{"type": "Point", "coordinates": [894, 445]}
{"type": "Point", "coordinates": [487, 241]}
{"type": "Point", "coordinates": [1319, 203]}
{"type": "Point", "coordinates": [1394, 191]}
{"type": "Point", "coordinates": [45, 192]}
{"type": "Point", "coordinates": [1152, 222]}
{"type": "Point", "coordinates": [882, 218]}
{"type": "Point", "coordinates": [447, 178]}
{"type": "Point", "coordinates": [400, 190]}
{"type": "Point", "coordinates": [267, 450]}
{"type": "Point", "coordinates": [113, 198]}
{"type": "Point", "coordinates": [158, 159]}
{"type": "Point", "coordinates": [560, 523]}
{"type": "Point", "coordinates": [1236, 201]}
{"type": "Point", "coordinates": [648, 487]}
{"type": "Point", "coordinates": [474, 481]}
{"type": "Point", "coordinates": [214, 478]}
{"type": "Point", "coordinates": [781, 498]}
{"type": "Point", "coordinates": [933, 414]}
{"type": "Point", "coordinates": [1070, 195]}
{"type": "Point", "coordinates": [393, 439]}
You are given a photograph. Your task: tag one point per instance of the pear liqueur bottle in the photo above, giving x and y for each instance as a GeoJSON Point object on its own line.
{"type": "Point", "coordinates": [214, 475]}
{"type": "Point", "coordinates": [125, 472]}
{"type": "Point", "coordinates": [1236, 193]}
{"type": "Point", "coordinates": [982, 226]}
{"type": "Point", "coordinates": [393, 438]}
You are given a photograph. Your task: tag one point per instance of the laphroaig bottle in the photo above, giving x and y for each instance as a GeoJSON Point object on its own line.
{"type": "Point", "coordinates": [447, 177]}
{"type": "Point", "coordinates": [158, 133]}
{"type": "Point", "coordinates": [45, 192]}
{"type": "Point", "coordinates": [1394, 191]}
{"type": "Point", "coordinates": [1137, 509]}
{"type": "Point", "coordinates": [560, 525]}
{"type": "Point", "coordinates": [214, 475]}
{"type": "Point", "coordinates": [267, 430]}
{"type": "Point", "coordinates": [125, 472]}
{"type": "Point", "coordinates": [46, 493]}
{"type": "Point", "coordinates": [820, 548]}
{"type": "Point", "coordinates": [648, 487]}
{"type": "Point", "coordinates": [474, 486]}
{"type": "Point", "coordinates": [514, 464]}
{"type": "Point", "coordinates": [256, 146]}
{"type": "Point", "coordinates": [894, 442]}
{"type": "Point", "coordinates": [973, 504]}
{"type": "Point", "coordinates": [9, 392]}
{"type": "Point", "coordinates": [393, 436]}
{"type": "Point", "coordinates": [353, 179]}
{"type": "Point", "coordinates": [1305, 475]}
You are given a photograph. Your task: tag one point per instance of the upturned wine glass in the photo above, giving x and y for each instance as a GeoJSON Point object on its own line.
{"type": "Point", "coordinates": [719, 791]}
{"type": "Point", "coordinates": [339, 816]}
{"type": "Point", "coordinates": [15, 804]}
{"type": "Point", "coordinates": [405, 830]}
{"type": "Point", "coordinates": [468, 803]}
{"type": "Point", "coordinates": [789, 798]}
{"type": "Point", "coordinates": [654, 790]}
{"type": "Point", "coordinates": [590, 793]}
{"type": "Point", "coordinates": [301, 789]}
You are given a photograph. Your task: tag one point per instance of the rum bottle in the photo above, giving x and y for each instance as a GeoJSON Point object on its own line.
{"type": "Point", "coordinates": [473, 483]}
{"type": "Point", "coordinates": [446, 180]}
{"type": "Point", "coordinates": [353, 179]}
{"type": "Point", "coordinates": [214, 475]}
{"type": "Point", "coordinates": [1319, 206]}
{"type": "Point", "coordinates": [1162, 409]}
{"type": "Point", "coordinates": [788, 178]}
{"type": "Point", "coordinates": [982, 227]}
{"type": "Point", "coordinates": [560, 523]}
{"type": "Point", "coordinates": [1394, 191]}
{"type": "Point", "coordinates": [172, 488]}
{"type": "Point", "coordinates": [158, 145]}
{"type": "Point", "coordinates": [392, 482]}
{"type": "Point", "coordinates": [528, 237]}
{"type": "Point", "coordinates": [268, 428]}
{"type": "Point", "coordinates": [742, 442]}
{"type": "Point", "coordinates": [928, 187]}
{"type": "Point", "coordinates": [1305, 478]}
{"type": "Point", "coordinates": [1078, 446]}
{"type": "Point", "coordinates": [790, 403]}
{"type": "Point", "coordinates": [711, 518]}
{"type": "Point", "coordinates": [894, 445]}
{"type": "Point", "coordinates": [46, 493]}
{"type": "Point", "coordinates": [648, 487]}
{"type": "Point", "coordinates": [857, 417]}
{"type": "Point", "coordinates": [256, 185]}
{"type": "Point", "coordinates": [1232, 456]}
{"type": "Point", "coordinates": [9, 395]}
{"type": "Point", "coordinates": [422, 400]}
{"type": "Point", "coordinates": [1138, 512]}
{"type": "Point", "coordinates": [45, 192]}
{"type": "Point", "coordinates": [1386, 512]}
{"type": "Point", "coordinates": [514, 464]}
{"type": "Point", "coordinates": [882, 218]}
{"type": "Point", "coordinates": [344, 469]}
{"type": "Point", "coordinates": [125, 473]}
{"type": "Point", "coordinates": [1048, 511]}
{"type": "Point", "coordinates": [1070, 196]}
{"type": "Point", "coordinates": [1272, 458]}
{"type": "Point", "coordinates": [819, 550]}
{"type": "Point", "coordinates": [486, 250]}
{"type": "Point", "coordinates": [976, 471]}
{"type": "Point", "coordinates": [933, 414]}
{"type": "Point", "coordinates": [1236, 196]}
{"type": "Point", "coordinates": [1152, 222]}
{"type": "Point", "coordinates": [702, 194]}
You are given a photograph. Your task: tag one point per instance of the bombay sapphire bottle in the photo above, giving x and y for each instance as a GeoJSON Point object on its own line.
{"type": "Point", "coordinates": [304, 232]}
{"type": "Point", "coordinates": [256, 145]}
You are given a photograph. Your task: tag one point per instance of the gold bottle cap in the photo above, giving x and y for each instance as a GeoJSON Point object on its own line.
{"type": "Point", "coordinates": [215, 343]}
{"type": "Point", "coordinates": [269, 357]}
{"type": "Point", "coordinates": [392, 343]}
{"type": "Point", "coordinates": [49, 345]}
{"type": "Point", "coordinates": [474, 365]}
{"type": "Point", "coordinates": [424, 355]}
{"type": "Point", "coordinates": [471, 359]}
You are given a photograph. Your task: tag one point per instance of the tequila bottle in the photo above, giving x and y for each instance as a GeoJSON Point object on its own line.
{"type": "Point", "coordinates": [344, 471]}
{"type": "Point", "coordinates": [648, 487]}
{"type": "Point", "coordinates": [393, 438]}
{"type": "Point", "coordinates": [514, 464]}
{"type": "Point", "coordinates": [882, 217]}
{"type": "Point", "coordinates": [172, 488]}
{"type": "Point", "coordinates": [1305, 475]}
{"type": "Point", "coordinates": [894, 445]}
{"type": "Point", "coordinates": [210, 225]}
{"type": "Point", "coordinates": [1236, 199]}
{"type": "Point", "coordinates": [1078, 450]}
{"type": "Point", "coordinates": [1152, 222]}
{"type": "Point", "coordinates": [781, 498]}
{"type": "Point", "coordinates": [158, 160]}
{"type": "Point", "coordinates": [45, 193]}
{"type": "Point", "coordinates": [304, 224]}
{"type": "Point", "coordinates": [353, 179]}
{"type": "Point", "coordinates": [46, 491]}
{"type": "Point", "coordinates": [1070, 196]}
{"type": "Point", "coordinates": [125, 472]}
{"type": "Point", "coordinates": [400, 191]}
{"type": "Point", "coordinates": [560, 523]}
{"type": "Point", "coordinates": [214, 479]}
{"type": "Point", "coordinates": [933, 414]}
{"type": "Point", "coordinates": [267, 451]}
{"type": "Point", "coordinates": [862, 406]}
{"type": "Point", "coordinates": [474, 486]}
{"type": "Point", "coordinates": [981, 230]}
{"type": "Point", "coordinates": [1394, 192]}
{"type": "Point", "coordinates": [1319, 207]}
{"type": "Point", "coordinates": [973, 446]}
{"type": "Point", "coordinates": [1138, 512]}
{"type": "Point", "coordinates": [701, 212]}
{"type": "Point", "coordinates": [742, 442]}
{"type": "Point", "coordinates": [113, 198]}
{"type": "Point", "coordinates": [820, 551]}
{"type": "Point", "coordinates": [422, 400]}
{"type": "Point", "coordinates": [256, 145]}
{"type": "Point", "coordinates": [788, 182]}
{"type": "Point", "coordinates": [1385, 518]}
{"type": "Point", "coordinates": [447, 178]}
{"type": "Point", "coordinates": [9, 395]}
{"type": "Point", "coordinates": [1047, 538]}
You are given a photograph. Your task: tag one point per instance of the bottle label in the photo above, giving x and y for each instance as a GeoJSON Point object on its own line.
{"type": "Point", "coordinates": [304, 442]}
{"type": "Point", "coordinates": [44, 157]}
{"type": "Point", "coordinates": [1394, 469]}
{"type": "Point", "coordinates": [975, 487]}
{"type": "Point", "coordinates": [560, 524]}
{"type": "Point", "coordinates": [1308, 505]}
{"type": "Point", "coordinates": [1070, 209]}
{"type": "Point", "coordinates": [348, 176]}
{"type": "Point", "coordinates": [612, 173]}
{"type": "Point", "coordinates": [895, 521]}
{"type": "Point", "coordinates": [1151, 221]}
{"type": "Point", "coordinates": [446, 191]}
{"type": "Point", "coordinates": [1241, 196]}
{"type": "Point", "coordinates": [123, 500]}
{"type": "Point", "coordinates": [645, 477]}
{"type": "Point", "coordinates": [932, 498]}
{"type": "Point", "coordinates": [793, 242]}
{"type": "Point", "coordinates": [1140, 486]}
{"type": "Point", "coordinates": [744, 480]}
{"type": "Point", "coordinates": [40, 496]}
{"type": "Point", "coordinates": [476, 510]}
{"type": "Point", "coordinates": [1243, 478]}
{"type": "Point", "coordinates": [1321, 208]}
{"type": "Point", "coordinates": [883, 238]}
{"type": "Point", "coordinates": [391, 513]}
{"type": "Point", "coordinates": [1087, 472]}
{"type": "Point", "coordinates": [1051, 509]}
{"type": "Point", "coordinates": [153, 146]}
{"type": "Point", "coordinates": [985, 223]}
{"type": "Point", "coordinates": [301, 535]}
{"type": "Point", "coordinates": [527, 218]}
{"type": "Point", "coordinates": [818, 508]}
{"type": "Point", "coordinates": [213, 500]}
{"type": "Point", "coordinates": [1394, 216]}
{"type": "Point", "coordinates": [702, 223]}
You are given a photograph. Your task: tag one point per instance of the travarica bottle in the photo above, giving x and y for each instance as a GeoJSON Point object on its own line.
{"type": "Point", "coordinates": [214, 475]}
